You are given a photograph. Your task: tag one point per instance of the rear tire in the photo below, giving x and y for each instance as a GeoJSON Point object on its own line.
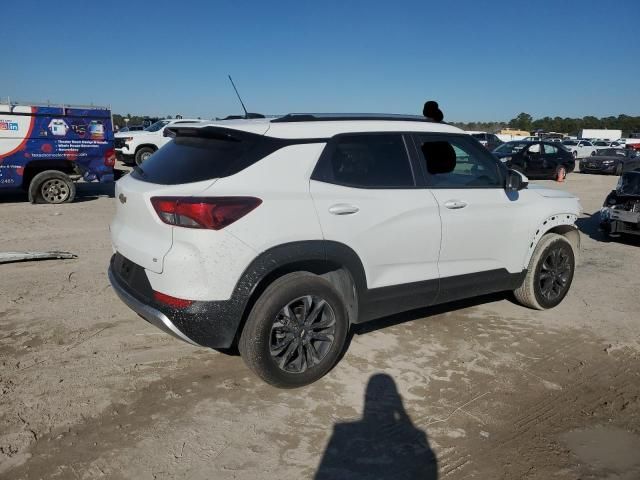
{"type": "Point", "coordinates": [295, 332]}
{"type": "Point", "coordinates": [561, 172]}
{"type": "Point", "coordinates": [53, 187]}
{"type": "Point", "coordinates": [549, 274]}
{"type": "Point", "coordinates": [143, 155]}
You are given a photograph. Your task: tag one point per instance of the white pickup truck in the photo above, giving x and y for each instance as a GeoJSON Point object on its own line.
{"type": "Point", "coordinates": [580, 148]}
{"type": "Point", "coordinates": [138, 146]}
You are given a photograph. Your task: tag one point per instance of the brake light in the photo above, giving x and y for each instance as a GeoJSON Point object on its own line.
{"type": "Point", "coordinates": [170, 301]}
{"type": "Point", "coordinates": [212, 213]}
{"type": "Point", "coordinates": [110, 158]}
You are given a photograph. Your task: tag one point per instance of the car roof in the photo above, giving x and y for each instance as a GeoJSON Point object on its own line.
{"type": "Point", "coordinates": [330, 125]}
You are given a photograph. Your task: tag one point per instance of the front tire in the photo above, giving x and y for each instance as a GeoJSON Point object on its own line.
{"type": "Point", "coordinates": [295, 332]}
{"type": "Point", "coordinates": [549, 274]}
{"type": "Point", "coordinates": [53, 187]}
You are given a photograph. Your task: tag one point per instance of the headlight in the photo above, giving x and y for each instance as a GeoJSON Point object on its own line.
{"type": "Point", "coordinates": [128, 139]}
{"type": "Point", "coordinates": [611, 201]}
{"type": "Point", "coordinates": [505, 159]}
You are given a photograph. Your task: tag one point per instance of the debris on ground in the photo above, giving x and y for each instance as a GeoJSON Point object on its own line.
{"type": "Point", "coordinates": [10, 257]}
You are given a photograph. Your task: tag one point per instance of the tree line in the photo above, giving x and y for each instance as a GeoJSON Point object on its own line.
{"type": "Point", "coordinates": [628, 124]}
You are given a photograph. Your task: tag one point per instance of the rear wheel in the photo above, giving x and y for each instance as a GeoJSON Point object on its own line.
{"type": "Point", "coordinates": [143, 155]}
{"type": "Point", "coordinates": [52, 186]}
{"type": "Point", "coordinates": [549, 275]}
{"type": "Point", "coordinates": [295, 331]}
{"type": "Point", "coordinates": [561, 173]}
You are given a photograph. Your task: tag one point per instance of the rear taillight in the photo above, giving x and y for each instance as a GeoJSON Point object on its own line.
{"type": "Point", "coordinates": [212, 213]}
{"type": "Point", "coordinates": [170, 301]}
{"type": "Point", "coordinates": [110, 158]}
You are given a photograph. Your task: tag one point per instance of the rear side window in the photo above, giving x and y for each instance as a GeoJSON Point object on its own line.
{"type": "Point", "coordinates": [194, 159]}
{"type": "Point", "coordinates": [550, 149]}
{"type": "Point", "coordinates": [367, 161]}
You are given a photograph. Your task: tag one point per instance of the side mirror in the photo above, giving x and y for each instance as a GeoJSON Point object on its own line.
{"type": "Point", "coordinates": [515, 181]}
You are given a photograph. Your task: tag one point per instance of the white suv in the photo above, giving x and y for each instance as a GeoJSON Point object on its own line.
{"type": "Point", "coordinates": [139, 145]}
{"type": "Point", "coordinates": [277, 235]}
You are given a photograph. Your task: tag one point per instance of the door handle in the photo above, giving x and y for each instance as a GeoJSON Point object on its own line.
{"type": "Point", "coordinates": [455, 204]}
{"type": "Point", "coordinates": [343, 209]}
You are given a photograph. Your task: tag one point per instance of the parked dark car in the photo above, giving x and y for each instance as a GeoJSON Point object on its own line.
{"type": "Point", "coordinates": [611, 160]}
{"type": "Point", "coordinates": [620, 213]}
{"type": "Point", "coordinates": [537, 159]}
{"type": "Point", "coordinates": [488, 140]}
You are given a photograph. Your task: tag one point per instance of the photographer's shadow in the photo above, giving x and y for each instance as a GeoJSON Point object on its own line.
{"type": "Point", "coordinates": [384, 444]}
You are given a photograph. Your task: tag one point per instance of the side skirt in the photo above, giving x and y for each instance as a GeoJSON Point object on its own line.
{"type": "Point", "coordinates": [381, 302]}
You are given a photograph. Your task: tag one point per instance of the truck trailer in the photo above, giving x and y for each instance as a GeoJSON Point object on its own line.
{"type": "Point", "coordinates": [599, 133]}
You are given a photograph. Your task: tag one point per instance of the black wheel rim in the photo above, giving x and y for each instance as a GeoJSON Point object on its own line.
{"type": "Point", "coordinates": [54, 191]}
{"type": "Point", "coordinates": [555, 273]}
{"type": "Point", "coordinates": [302, 334]}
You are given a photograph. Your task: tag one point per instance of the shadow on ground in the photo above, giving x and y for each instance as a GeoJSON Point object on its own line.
{"type": "Point", "coordinates": [384, 444]}
{"type": "Point", "coordinates": [84, 192]}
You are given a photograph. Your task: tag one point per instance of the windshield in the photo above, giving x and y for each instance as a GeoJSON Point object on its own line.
{"type": "Point", "coordinates": [511, 147]}
{"type": "Point", "coordinates": [156, 126]}
{"type": "Point", "coordinates": [570, 142]}
{"type": "Point", "coordinates": [478, 136]}
{"type": "Point", "coordinates": [601, 144]}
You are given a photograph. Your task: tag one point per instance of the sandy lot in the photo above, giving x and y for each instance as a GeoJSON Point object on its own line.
{"type": "Point", "coordinates": [479, 389]}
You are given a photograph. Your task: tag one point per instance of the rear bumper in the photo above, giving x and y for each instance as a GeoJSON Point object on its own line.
{"type": "Point", "coordinates": [209, 324]}
{"type": "Point", "coordinates": [150, 314]}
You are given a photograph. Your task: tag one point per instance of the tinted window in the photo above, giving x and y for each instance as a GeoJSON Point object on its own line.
{"type": "Point", "coordinates": [479, 136]}
{"type": "Point", "coordinates": [193, 159]}
{"type": "Point", "coordinates": [368, 161]}
{"type": "Point", "coordinates": [511, 147]}
{"type": "Point", "coordinates": [550, 149]}
{"type": "Point", "coordinates": [457, 163]}
{"type": "Point", "coordinates": [156, 126]}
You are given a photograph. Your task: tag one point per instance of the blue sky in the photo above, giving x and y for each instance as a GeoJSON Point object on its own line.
{"type": "Point", "coordinates": [479, 60]}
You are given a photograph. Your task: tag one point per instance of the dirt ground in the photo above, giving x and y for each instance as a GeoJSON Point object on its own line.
{"type": "Point", "coordinates": [478, 389]}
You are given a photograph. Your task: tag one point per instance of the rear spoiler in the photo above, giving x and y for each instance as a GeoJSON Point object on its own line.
{"type": "Point", "coordinates": [215, 133]}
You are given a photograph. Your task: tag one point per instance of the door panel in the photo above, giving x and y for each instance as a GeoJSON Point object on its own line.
{"type": "Point", "coordinates": [396, 233]}
{"type": "Point", "coordinates": [483, 227]}
{"type": "Point", "coordinates": [365, 197]}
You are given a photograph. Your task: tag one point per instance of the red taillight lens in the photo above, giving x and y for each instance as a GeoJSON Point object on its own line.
{"type": "Point", "coordinates": [212, 213]}
{"type": "Point", "coordinates": [110, 157]}
{"type": "Point", "coordinates": [171, 301]}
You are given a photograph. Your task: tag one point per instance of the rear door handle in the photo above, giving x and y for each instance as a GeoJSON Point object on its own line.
{"type": "Point", "coordinates": [343, 209]}
{"type": "Point", "coordinates": [455, 204]}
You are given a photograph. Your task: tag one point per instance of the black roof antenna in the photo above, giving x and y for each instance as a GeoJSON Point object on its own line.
{"type": "Point", "coordinates": [246, 114]}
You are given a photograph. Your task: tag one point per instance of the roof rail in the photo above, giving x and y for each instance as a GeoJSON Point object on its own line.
{"type": "Point", "coordinates": [333, 117]}
{"type": "Point", "coordinates": [13, 103]}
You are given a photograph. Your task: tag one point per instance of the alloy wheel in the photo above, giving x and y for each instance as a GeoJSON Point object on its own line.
{"type": "Point", "coordinates": [555, 273]}
{"type": "Point", "coordinates": [302, 334]}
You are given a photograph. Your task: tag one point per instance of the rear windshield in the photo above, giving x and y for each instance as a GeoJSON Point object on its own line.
{"type": "Point", "coordinates": [194, 159]}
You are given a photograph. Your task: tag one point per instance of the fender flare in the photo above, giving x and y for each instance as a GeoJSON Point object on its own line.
{"type": "Point", "coordinates": [550, 223]}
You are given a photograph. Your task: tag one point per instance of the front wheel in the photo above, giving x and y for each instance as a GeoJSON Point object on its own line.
{"type": "Point", "coordinates": [549, 274]}
{"type": "Point", "coordinates": [295, 331]}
